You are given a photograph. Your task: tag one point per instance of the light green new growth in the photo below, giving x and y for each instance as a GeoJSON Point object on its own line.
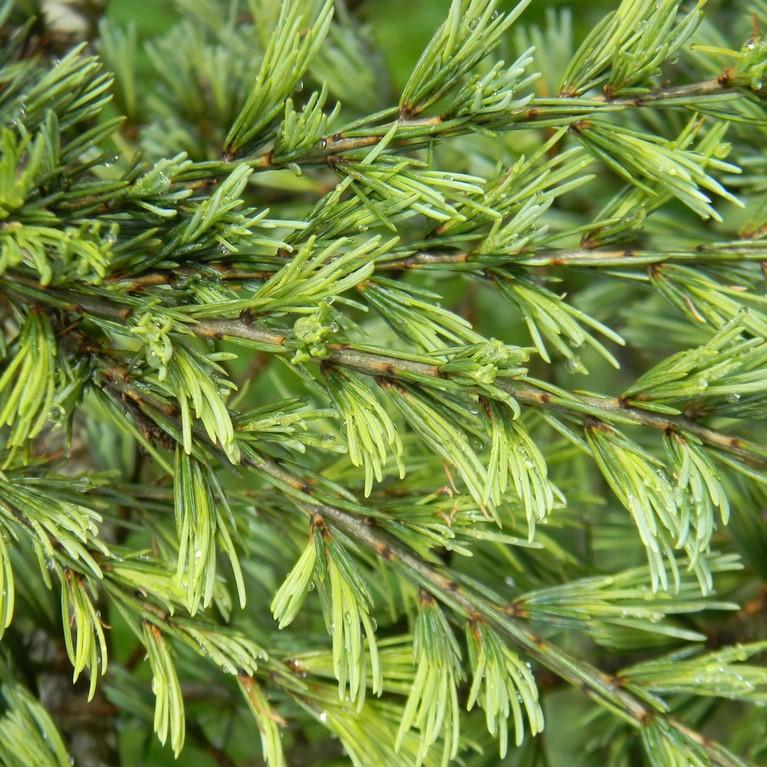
{"type": "Point", "coordinates": [404, 405]}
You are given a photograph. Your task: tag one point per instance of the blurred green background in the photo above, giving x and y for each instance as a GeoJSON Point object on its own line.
{"type": "Point", "coordinates": [400, 27]}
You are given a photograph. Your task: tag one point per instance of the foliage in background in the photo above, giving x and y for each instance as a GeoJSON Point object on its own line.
{"type": "Point", "coordinates": [399, 407]}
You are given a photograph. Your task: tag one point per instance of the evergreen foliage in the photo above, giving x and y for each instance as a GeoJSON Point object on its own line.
{"type": "Point", "coordinates": [416, 425]}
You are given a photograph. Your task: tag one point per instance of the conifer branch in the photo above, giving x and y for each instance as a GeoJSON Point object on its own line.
{"type": "Point", "coordinates": [540, 112]}
{"type": "Point", "coordinates": [289, 351]}
{"type": "Point", "coordinates": [593, 258]}
{"type": "Point", "coordinates": [384, 366]}
{"type": "Point", "coordinates": [603, 688]}
{"type": "Point", "coordinates": [609, 408]}
{"type": "Point", "coordinates": [380, 365]}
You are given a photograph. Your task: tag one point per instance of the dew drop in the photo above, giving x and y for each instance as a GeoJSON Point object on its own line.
{"type": "Point", "coordinates": [573, 365]}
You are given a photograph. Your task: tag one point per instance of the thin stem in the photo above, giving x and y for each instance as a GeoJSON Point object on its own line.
{"type": "Point", "coordinates": [580, 257]}
{"type": "Point", "coordinates": [715, 87]}
{"type": "Point", "coordinates": [607, 408]}
{"type": "Point", "coordinates": [628, 257]}
{"type": "Point", "coordinates": [151, 279]}
{"type": "Point", "coordinates": [538, 110]}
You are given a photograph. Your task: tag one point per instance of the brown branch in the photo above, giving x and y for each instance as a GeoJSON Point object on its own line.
{"type": "Point", "coordinates": [607, 408]}
{"type": "Point", "coordinates": [151, 279]}
{"type": "Point", "coordinates": [579, 257]}
{"type": "Point", "coordinates": [538, 109]}
{"type": "Point", "coordinates": [553, 257]}
{"type": "Point", "coordinates": [718, 86]}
